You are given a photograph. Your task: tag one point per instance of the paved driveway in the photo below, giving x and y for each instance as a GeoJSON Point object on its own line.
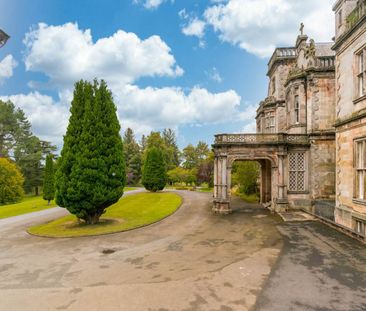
{"type": "Point", "coordinates": [193, 260]}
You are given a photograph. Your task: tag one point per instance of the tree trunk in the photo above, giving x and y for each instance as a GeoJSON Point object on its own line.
{"type": "Point", "coordinates": [92, 219]}
{"type": "Point", "coordinates": [49, 202]}
{"type": "Point", "coordinates": [36, 191]}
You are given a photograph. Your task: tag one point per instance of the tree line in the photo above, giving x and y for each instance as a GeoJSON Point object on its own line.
{"type": "Point", "coordinates": [20, 147]}
{"type": "Point", "coordinates": [191, 166]}
{"type": "Point", "coordinates": [95, 162]}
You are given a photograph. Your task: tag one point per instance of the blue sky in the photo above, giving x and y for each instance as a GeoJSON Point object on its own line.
{"type": "Point", "coordinates": [196, 66]}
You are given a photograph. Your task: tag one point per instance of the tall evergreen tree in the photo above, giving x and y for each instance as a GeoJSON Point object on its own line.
{"type": "Point", "coordinates": [132, 157]}
{"type": "Point", "coordinates": [91, 170]}
{"type": "Point", "coordinates": [29, 155]}
{"type": "Point", "coordinates": [172, 149]}
{"type": "Point", "coordinates": [154, 177]}
{"type": "Point", "coordinates": [18, 142]}
{"type": "Point", "coordinates": [49, 180]}
{"type": "Point", "coordinates": [14, 127]}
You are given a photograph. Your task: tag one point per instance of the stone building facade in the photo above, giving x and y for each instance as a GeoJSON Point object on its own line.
{"type": "Point", "coordinates": [350, 48]}
{"type": "Point", "coordinates": [295, 139]}
{"type": "Point", "coordinates": [311, 128]}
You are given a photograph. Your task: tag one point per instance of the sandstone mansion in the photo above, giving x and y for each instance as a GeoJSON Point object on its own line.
{"type": "Point", "coordinates": [311, 128]}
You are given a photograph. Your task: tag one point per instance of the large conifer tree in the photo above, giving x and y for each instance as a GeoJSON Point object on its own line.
{"type": "Point", "coordinates": [49, 180]}
{"type": "Point", "coordinates": [154, 176]}
{"type": "Point", "coordinates": [91, 173]}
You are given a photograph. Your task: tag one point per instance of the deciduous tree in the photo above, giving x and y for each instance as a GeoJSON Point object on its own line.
{"type": "Point", "coordinates": [11, 182]}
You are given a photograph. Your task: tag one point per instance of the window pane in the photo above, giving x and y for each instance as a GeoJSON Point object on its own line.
{"type": "Point", "coordinates": [359, 155]}
{"type": "Point", "coordinates": [361, 62]}
{"type": "Point", "coordinates": [361, 183]}
{"type": "Point", "coordinates": [360, 85]}
{"type": "Point", "coordinates": [364, 185]}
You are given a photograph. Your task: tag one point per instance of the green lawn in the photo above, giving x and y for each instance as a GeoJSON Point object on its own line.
{"type": "Point", "coordinates": [130, 212]}
{"type": "Point", "coordinates": [31, 204]}
{"type": "Point", "coordinates": [251, 198]}
{"type": "Point", "coordinates": [28, 205]}
{"type": "Point", "coordinates": [205, 189]}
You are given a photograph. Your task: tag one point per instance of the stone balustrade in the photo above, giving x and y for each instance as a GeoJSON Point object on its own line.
{"type": "Point", "coordinates": [281, 138]}
{"type": "Point", "coordinates": [356, 14]}
{"type": "Point", "coordinates": [325, 62]}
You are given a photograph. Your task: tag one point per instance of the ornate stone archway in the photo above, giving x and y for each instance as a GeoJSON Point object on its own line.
{"type": "Point", "coordinates": [270, 150]}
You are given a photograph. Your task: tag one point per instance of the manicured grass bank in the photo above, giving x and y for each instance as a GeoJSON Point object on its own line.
{"type": "Point", "coordinates": [130, 212]}
{"type": "Point", "coordinates": [28, 205]}
{"type": "Point", "coordinates": [32, 204]}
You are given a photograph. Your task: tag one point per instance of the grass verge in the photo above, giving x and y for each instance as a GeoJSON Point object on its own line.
{"type": "Point", "coordinates": [32, 204]}
{"type": "Point", "coordinates": [130, 212]}
{"type": "Point", "coordinates": [27, 205]}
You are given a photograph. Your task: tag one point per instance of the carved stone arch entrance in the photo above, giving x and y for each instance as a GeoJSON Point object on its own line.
{"type": "Point", "coordinates": [268, 173]}
{"type": "Point", "coordinates": [269, 150]}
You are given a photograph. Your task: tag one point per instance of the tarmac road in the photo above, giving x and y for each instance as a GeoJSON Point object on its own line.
{"type": "Point", "coordinates": [193, 260]}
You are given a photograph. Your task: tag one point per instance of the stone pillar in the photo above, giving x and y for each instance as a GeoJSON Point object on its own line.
{"type": "Point", "coordinates": [263, 182]}
{"type": "Point", "coordinates": [222, 198]}
{"type": "Point", "coordinates": [281, 201]}
{"type": "Point", "coordinates": [268, 176]}
{"type": "Point", "coordinates": [228, 181]}
{"type": "Point", "coordinates": [216, 190]}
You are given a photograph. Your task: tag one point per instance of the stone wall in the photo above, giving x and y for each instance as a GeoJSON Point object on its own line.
{"type": "Point", "coordinates": [322, 168]}
{"type": "Point", "coordinates": [321, 103]}
{"type": "Point", "coordinates": [350, 124]}
{"type": "Point", "coordinates": [345, 175]}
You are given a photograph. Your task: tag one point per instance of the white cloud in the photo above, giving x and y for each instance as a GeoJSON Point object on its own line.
{"type": "Point", "coordinates": [155, 108]}
{"type": "Point", "coordinates": [48, 118]}
{"type": "Point", "coordinates": [66, 54]}
{"type": "Point", "coordinates": [250, 127]}
{"type": "Point", "coordinates": [7, 66]}
{"type": "Point", "coordinates": [151, 4]}
{"type": "Point", "coordinates": [195, 27]}
{"type": "Point", "coordinates": [214, 75]}
{"type": "Point", "coordinates": [258, 26]}
{"type": "Point", "coordinates": [143, 109]}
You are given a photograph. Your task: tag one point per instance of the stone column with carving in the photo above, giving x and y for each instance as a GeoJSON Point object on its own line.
{"type": "Point", "coordinates": [281, 201]}
{"type": "Point", "coordinates": [222, 199]}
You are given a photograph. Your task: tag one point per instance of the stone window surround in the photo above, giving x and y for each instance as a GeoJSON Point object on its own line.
{"type": "Point", "coordinates": [297, 108]}
{"type": "Point", "coordinates": [359, 170]}
{"type": "Point", "coordinates": [306, 172]}
{"type": "Point", "coordinates": [273, 82]}
{"type": "Point", "coordinates": [340, 18]}
{"type": "Point", "coordinates": [293, 93]}
{"type": "Point", "coordinates": [360, 74]}
{"type": "Point", "coordinates": [359, 225]}
{"type": "Point", "coordinates": [270, 121]}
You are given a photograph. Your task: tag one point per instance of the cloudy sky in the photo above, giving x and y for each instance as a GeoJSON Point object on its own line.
{"type": "Point", "coordinates": [198, 66]}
